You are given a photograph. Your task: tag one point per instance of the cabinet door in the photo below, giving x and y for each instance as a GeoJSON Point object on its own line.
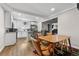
{"type": "Point", "coordinates": [10, 38]}
{"type": "Point", "coordinates": [24, 34]}
{"type": "Point", "coordinates": [19, 34]}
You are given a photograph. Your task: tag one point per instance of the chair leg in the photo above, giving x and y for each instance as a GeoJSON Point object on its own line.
{"type": "Point", "coordinates": [35, 52]}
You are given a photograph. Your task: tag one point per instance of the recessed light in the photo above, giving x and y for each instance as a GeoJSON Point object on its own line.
{"type": "Point", "coordinates": [52, 9]}
{"type": "Point", "coordinates": [37, 17]}
{"type": "Point", "coordinates": [19, 14]}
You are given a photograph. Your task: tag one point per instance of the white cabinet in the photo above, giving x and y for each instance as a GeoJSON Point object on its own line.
{"type": "Point", "coordinates": [21, 34]}
{"type": "Point", "coordinates": [10, 38]}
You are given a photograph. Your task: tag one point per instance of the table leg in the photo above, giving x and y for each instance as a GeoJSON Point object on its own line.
{"type": "Point", "coordinates": [70, 45]}
{"type": "Point", "coordinates": [53, 46]}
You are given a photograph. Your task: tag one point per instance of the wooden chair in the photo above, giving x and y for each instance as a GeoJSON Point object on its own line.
{"type": "Point", "coordinates": [41, 50]}
{"type": "Point", "coordinates": [47, 44]}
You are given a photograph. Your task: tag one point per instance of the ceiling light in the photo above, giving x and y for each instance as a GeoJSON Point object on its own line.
{"type": "Point", "coordinates": [19, 14]}
{"type": "Point", "coordinates": [37, 17]}
{"type": "Point", "coordinates": [52, 9]}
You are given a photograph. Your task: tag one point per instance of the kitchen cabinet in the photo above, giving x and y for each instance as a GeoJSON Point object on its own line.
{"type": "Point", "coordinates": [10, 38]}
{"type": "Point", "coordinates": [21, 34]}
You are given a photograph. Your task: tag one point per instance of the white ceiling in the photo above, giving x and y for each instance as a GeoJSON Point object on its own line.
{"type": "Point", "coordinates": [41, 9]}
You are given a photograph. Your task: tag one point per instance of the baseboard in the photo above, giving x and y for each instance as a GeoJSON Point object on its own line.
{"type": "Point", "coordinates": [10, 44]}
{"type": "Point", "coordinates": [75, 47]}
{"type": "Point", "coordinates": [22, 38]}
{"type": "Point", "coordinates": [2, 49]}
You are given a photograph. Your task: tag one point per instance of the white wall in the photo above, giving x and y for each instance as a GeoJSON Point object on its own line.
{"type": "Point", "coordinates": [1, 29]}
{"type": "Point", "coordinates": [7, 17]}
{"type": "Point", "coordinates": [68, 24]}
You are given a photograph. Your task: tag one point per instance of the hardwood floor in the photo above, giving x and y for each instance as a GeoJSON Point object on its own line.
{"type": "Point", "coordinates": [21, 48]}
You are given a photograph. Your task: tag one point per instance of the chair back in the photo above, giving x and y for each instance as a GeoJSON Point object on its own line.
{"type": "Point", "coordinates": [36, 45]}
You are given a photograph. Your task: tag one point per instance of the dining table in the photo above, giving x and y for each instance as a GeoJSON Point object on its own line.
{"type": "Point", "coordinates": [55, 39]}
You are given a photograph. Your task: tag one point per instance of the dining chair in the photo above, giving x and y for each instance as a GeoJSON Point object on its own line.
{"type": "Point", "coordinates": [42, 50]}
{"type": "Point", "coordinates": [43, 42]}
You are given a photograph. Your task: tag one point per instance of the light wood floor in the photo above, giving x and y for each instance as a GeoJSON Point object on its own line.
{"type": "Point", "coordinates": [21, 48]}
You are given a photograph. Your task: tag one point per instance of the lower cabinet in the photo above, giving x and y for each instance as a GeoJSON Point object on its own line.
{"type": "Point", "coordinates": [21, 34]}
{"type": "Point", "coordinates": [10, 38]}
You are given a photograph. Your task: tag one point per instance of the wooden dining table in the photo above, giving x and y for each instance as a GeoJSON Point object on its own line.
{"type": "Point", "coordinates": [55, 38]}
